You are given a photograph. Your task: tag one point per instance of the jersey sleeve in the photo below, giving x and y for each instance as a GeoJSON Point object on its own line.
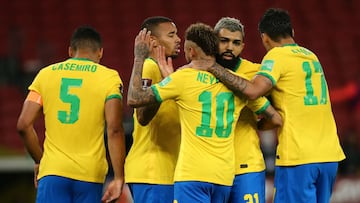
{"type": "Point", "coordinates": [115, 86]}
{"type": "Point", "coordinates": [270, 67]}
{"type": "Point", "coordinates": [259, 105]}
{"type": "Point", "coordinates": [169, 88]}
{"type": "Point", "coordinates": [36, 84]}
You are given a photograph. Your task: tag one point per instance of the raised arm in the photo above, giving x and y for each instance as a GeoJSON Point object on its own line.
{"type": "Point", "coordinates": [145, 114]}
{"type": "Point", "coordinates": [259, 86]}
{"type": "Point", "coordinates": [137, 95]}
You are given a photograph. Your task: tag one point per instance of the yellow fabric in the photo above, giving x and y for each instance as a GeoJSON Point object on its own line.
{"type": "Point", "coordinates": [208, 115]}
{"type": "Point", "coordinates": [74, 93]}
{"type": "Point", "coordinates": [153, 155]}
{"type": "Point", "coordinates": [248, 155]}
{"type": "Point", "coordinates": [300, 92]}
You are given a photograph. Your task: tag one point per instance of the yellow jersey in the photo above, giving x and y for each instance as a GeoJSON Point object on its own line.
{"type": "Point", "coordinates": [208, 114]}
{"type": "Point", "coordinates": [248, 154]}
{"type": "Point", "coordinates": [300, 93]}
{"type": "Point", "coordinates": [74, 93]}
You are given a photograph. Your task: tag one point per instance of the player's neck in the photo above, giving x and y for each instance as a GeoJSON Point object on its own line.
{"type": "Point", "coordinates": [285, 41]}
{"type": "Point", "coordinates": [203, 63]}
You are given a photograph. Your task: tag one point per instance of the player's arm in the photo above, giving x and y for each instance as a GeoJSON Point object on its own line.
{"type": "Point", "coordinates": [116, 146]}
{"type": "Point", "coordinates": [259, 86]}
{"type": "Point", "coordinates": [25, 125]}
{"type": "Point", "coordinates": [137, 95]}
{"type": "Point", "coordinates": [270, 119]}
{"type": "Point", "coordinates": [146, 113]}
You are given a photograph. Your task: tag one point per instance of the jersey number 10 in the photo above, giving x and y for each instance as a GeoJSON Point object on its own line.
{"type": "Point", "coordinates": [224, 108]}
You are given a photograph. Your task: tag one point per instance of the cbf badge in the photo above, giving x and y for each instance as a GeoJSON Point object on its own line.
{"type": "Point", "coordinates": [146, 83]}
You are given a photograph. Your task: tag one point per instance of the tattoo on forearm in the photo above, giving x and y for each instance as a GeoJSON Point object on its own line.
{"type": "Point", "coordinates": [233, 82]}
{"type": "Point", "coordinates": [137, 95]}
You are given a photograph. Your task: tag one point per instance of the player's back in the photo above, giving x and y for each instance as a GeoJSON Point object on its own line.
{"type": "Point", "coordinates": [301, 94]}
{"type": "Point", "coordinates": [208, 114]}
{"type": "Point", "coordinates": [74, 93]}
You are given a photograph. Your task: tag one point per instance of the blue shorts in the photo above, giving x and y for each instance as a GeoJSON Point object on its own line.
{"type": "Point", "coordinates": [248, 187]}
{"type": "Point", "coordinates": [57, 189]}
{"type": "Point", "coordinates": [308, 183]}
{"type": "Point", "coordinates": [195, 191]}
{"type": "Point", "coordinates": [151, 193]}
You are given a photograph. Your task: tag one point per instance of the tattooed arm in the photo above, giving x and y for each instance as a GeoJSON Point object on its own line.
{"type": "Point", "coordinates": [137, 95]}
{"type": "Point", "coordinates": [259, 86]}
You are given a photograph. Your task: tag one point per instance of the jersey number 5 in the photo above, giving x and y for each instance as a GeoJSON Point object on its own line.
{"type": "Point", "coordinates": [74, 101]}
{"type": "Point", "coordinates": [222, 130]}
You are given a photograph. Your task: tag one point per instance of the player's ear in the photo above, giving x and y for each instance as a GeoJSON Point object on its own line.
{"type": "Point", "coordinates": [71, 52]}
{"type": "Point", "coordinates": [100, 53]}
{"type": "Point", "coordinates": [265, 38]}
{"type": "Point", "coordinates": [153, 41]}
{"type": "Point", "coordinates": [192, 51]}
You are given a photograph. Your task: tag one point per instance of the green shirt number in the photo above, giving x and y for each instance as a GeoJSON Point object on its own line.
{"type": "Point", "coordinates": [224, 101]}
{"type": "Point", "coordinates": [310, 98]}
{"type": "Point", "coordinates": [74, 101]}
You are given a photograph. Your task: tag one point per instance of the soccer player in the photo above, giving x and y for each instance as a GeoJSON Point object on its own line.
{"type": "Point", "coordinates": [308, 148]}
{"type": "Point", "coordinates": [249, 182]}
{"type": "Point", "coordinates": [208, 114]}
{"type": "Point", "coordinates": [77, 97]}
{"type": "Point", "coordinates": [150, 163]}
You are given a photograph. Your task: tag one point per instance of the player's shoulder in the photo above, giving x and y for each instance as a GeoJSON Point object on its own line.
{"type": "Point", "coordinates": [150, 63]}
{"type": "Point", "coordinates": [248, 68]}
{"type": "Point", "coordinates": [250, 64]}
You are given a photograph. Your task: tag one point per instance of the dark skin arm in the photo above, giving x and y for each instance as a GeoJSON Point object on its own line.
{"type": "Point", "coordinates": [116, 144]}
{"type": "Point", "coordinates": [259, 86]}
{"type": "Point", "coordinates": [25, 127]}
{"type": "Point", "coordinates": [270, 119]}
{"type": "Point", "coordinates": [137, 95]}
{"type": "Point", "coordinates": [145, 114]}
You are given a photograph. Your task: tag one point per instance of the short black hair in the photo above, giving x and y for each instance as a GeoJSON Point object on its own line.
{"type": "Point", "coordinates": [204, 36]}
{"type": "Point", "coordinates": [152, 22]}
{"type": "Point", "coordinates": [276, 24]}
{"type": "Point", "coordinates": [85, 37]}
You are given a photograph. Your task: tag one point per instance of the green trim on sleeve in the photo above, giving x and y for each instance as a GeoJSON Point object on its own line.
{"type": "Point", "coordinates": [152, 60]}
{"type": "Point", "coordinates": [268, 76]}
{"type": "Point", "coordinates": [113, 96]}
{"type": "Point", "coordinates": [263, 108]}
{"type": "Point", "coordinates": [156, 93]}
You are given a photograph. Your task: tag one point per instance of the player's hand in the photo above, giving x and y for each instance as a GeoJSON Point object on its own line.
{"type": "Point", "coordinates": [165, 63]}
{"type": "Point", "coordinates": [143, 44]}
{"type": "Point", "coordinates": [113, 191]}
{"type": "Point", "coordinates": [36, 172]}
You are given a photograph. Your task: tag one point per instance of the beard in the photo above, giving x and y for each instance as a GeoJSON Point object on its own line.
{"type": "Point", "coordinates": [229, 64]}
